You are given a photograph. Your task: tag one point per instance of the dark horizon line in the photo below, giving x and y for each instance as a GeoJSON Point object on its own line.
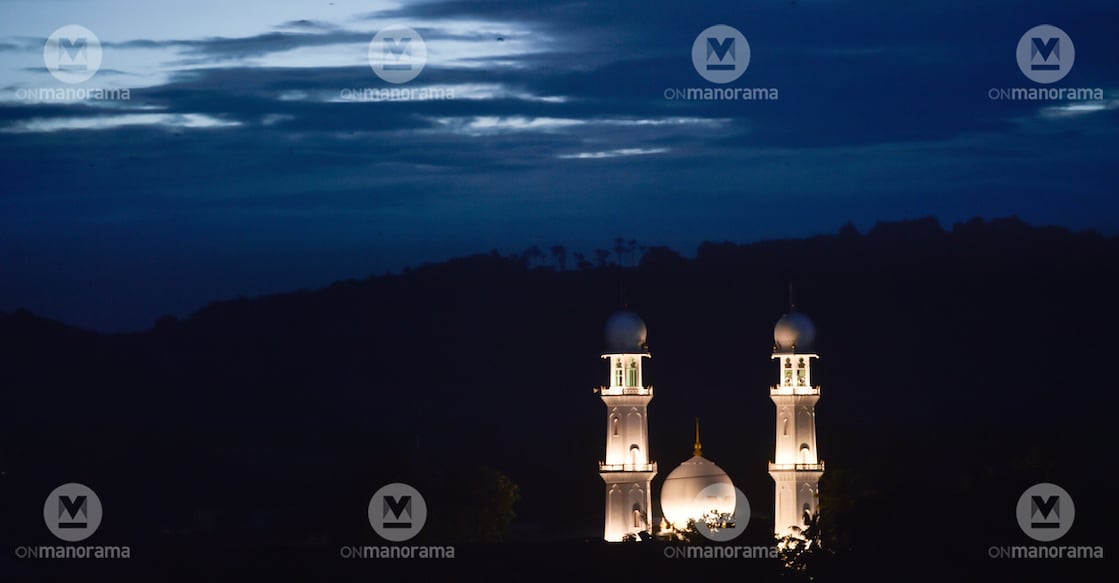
{"type": "Point", "coordinates": [545, 254]}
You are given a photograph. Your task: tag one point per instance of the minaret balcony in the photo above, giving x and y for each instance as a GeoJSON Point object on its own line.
{"type": "Point", "coordinates": [787, 390]}
{"type": "Point", "coordinates": [621, 391]}
{"type": "Point", "coordinates": [605, 467]}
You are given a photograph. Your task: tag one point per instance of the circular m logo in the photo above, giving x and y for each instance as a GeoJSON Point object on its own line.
{"type": "Point", "coordinates": [1045, 512]}
{"type": "Point", "coordinates": [397, 54]}
{"type": "Point", "coordinates": [72, 54]}
{"type": "Point", "coordinates": [728, 526]}
{"type": "Point", "coordinates": [72, 512]}
{"type": "Point", "coordinates": [397, 512]}
{"type": "Point", "coordinates": [1045, 54]}
{"type": "Point", "coordinates": [720, 54]}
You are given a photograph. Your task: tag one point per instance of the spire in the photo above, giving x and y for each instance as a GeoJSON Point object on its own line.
{"type": "Point", "coordinates": [623, 292]}
{"type": "Point", "coordinates": [698, 449]}
{"type": "Point", "coordinates": [792, 305]}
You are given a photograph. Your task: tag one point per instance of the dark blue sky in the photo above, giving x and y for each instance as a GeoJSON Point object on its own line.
{"type": "Point", "coordinates": [240, 166]}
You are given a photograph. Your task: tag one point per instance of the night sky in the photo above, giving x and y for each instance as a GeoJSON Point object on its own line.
{"type": "Point", "coordinates": [238, 166]}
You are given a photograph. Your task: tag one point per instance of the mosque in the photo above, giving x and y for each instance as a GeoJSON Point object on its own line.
{"type": "Point", "coordinates": [698, 488]}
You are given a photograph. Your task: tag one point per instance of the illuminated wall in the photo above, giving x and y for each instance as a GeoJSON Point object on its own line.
{"type": "Point", "coordinates": [627, 470]}
{"type": "Point", "coordinates": [796, 467]}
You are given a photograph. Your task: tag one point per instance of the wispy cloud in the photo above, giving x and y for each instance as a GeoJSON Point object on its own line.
{"type": "Point", "coordinates": [111, 122]}
{"type": "Point", "coordinates": [612, 153]}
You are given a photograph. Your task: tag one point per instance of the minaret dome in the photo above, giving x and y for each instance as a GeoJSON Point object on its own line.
{"type": "Point", "coordinates": [626, 333]}
{"type": "Point", "coordinates": [794, 332]}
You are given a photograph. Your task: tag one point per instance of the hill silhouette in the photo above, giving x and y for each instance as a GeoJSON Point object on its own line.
{"type": "Point", "coordinates": [958, 366]}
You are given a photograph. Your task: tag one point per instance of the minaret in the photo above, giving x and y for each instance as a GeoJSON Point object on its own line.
{"type": "Point", "coordinates": [796, 467]}
{"type": "Point", "coordinates": [627, 471]}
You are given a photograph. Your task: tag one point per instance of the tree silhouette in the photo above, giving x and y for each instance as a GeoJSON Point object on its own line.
{"type": "Point", "coordinates": [716, 520]}
{"type": "Point", "coordinates": [475, 504]}
{"type": "Point", "coordinates": [532, 256]}
{"type": "Point", "coordinates": [689, 533]}
{"type": "Point", "coordinates": [559, 253]}
{"type": "Point", "coordinates": [581, 262]}
{"type": "Point", "coordinates": [602, 256]}
{"type": "Point", "coordinates": [849, 231]}
{"type": "Point", "coordinates": [803, 551]}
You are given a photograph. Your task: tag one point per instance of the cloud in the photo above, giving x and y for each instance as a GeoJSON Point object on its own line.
{"type": "Point", "coordinates": [612, 153]}
{"type": "Point", "coordinates": [111, 122]}
{"type": "Point", "coordinates": [557, 130]}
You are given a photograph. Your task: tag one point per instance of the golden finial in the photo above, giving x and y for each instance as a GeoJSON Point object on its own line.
{"type": "Point", "coordinates": [698, 447]}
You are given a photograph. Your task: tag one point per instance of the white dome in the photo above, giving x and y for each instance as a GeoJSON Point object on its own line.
{"type": "Point", "coordinates": [695, 488]}
{"type": "Point", "coordinates": [794, 329]}
{"type": "Point", "coordinates": [625, 332]}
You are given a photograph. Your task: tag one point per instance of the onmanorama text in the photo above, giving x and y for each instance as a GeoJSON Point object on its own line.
{"type": "Point", "coordinates": [720, 552]}
{"type": "Point", "coordinates": [722, 94]}
{"type": "Point", "coordinates": [73, 94]}
{"type": "Point", "coordinates": [1046, 94]}
{"type": "Point", "coordinates": [74, 552]}
{"type": "Point", "coordinates": [1046, 552]}
{"type": "Point", "coordinates": [397, 552]}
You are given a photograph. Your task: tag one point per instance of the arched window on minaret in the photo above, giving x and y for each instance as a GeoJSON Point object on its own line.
{"type": "Point", "coordinates": [619, 373]}
{"type": "Point", "coordinates": [634, 454]}
{"type": "Point", "coordinates": [637, 515]}
{"type": "Point", "coordinates": [804, 453]}
{"type": "Point", "coordinates": [785, 426]}
{"type": "Point", "coordinates": [800, 363]}
{"type": "Point", "coordinates": [788, 363]}
{"type": "Point", "coordinates": [616, 425]}
{"type": "Point", "coordinates": [631, 374]}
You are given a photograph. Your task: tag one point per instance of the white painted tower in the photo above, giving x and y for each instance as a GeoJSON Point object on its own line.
{"type": "Point", "coordinates": [627, 471]}
{"type": "Point", "coordinates": [796, 467]}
